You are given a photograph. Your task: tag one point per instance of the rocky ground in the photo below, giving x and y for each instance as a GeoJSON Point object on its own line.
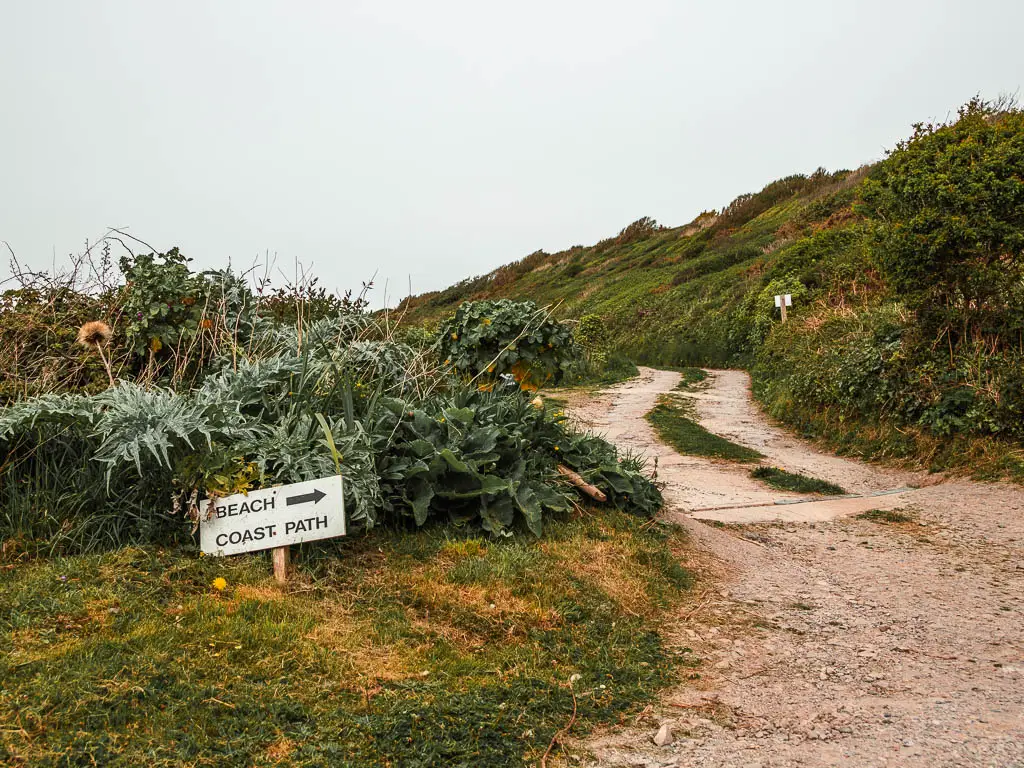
{"type": "Point", "coordinates": [827, 639]}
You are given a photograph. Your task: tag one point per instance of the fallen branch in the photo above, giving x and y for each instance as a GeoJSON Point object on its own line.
{"type": "Point", "coordinates": [591, 490]}
{"type": "Point", "coordinates": [544, 759]}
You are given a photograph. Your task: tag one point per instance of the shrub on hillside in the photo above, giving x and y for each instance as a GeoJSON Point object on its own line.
{"type": "Point", "coordinates": [591, 334]}
{"type": "Point", "coordinates": [601, 364]}
{"type": "Point", "coordinates": [640, 229]}
{"type": "Point", "coordinates": [485, 339]}
{"type": "Point", "coordinates": [948, 212]}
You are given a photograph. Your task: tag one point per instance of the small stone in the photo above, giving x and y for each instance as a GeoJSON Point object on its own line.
{"type": "Point", "coordinates": [664, 736]}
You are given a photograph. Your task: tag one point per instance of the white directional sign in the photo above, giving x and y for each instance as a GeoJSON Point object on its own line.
{"type": "Point", "coordinates": [785, 299]}
{"type": "Point", "coordinates": [273, 517]}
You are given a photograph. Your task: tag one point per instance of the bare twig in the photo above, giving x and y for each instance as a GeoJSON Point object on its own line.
{"type": "Point", "coordinates": [565, 730]}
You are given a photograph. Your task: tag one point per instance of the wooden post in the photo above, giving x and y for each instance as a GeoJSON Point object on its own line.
{"type": "Point", "coordinates": [783, 307]}
{"type": "Point", "coordinates": [280, 555]}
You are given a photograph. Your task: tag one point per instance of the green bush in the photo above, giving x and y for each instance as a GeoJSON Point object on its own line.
{"type": "Point", "coordinates": [489, 338]}
{"type": "Point", "coordinates": [166, 305]}
{"type": "Point", "coordinates": [948, 212]}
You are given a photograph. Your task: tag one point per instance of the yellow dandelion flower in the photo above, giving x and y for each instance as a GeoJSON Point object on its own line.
{"type": "Point", "coordinates": [220, 584]}
{"type": "Point", "coordinates": [455, 337]}
{"type": "Point", "coordinates": [557, 448]}
{"type": "Point", "coordinates": [486, 321]}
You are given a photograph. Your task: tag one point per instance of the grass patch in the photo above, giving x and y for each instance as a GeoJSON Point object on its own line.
{"type": "Point", "coordinates": [693, 378]}
{"type": "Point", "coordinates": [430, 648]}
{"type": "Point", "coordinates": [672, 418]}
{"type": "Point", "coordinates": [793, 481]}
{"type": "Point", "coordinates": [617, 369]}
{"type": "Point", "coordinates": [885, 516]}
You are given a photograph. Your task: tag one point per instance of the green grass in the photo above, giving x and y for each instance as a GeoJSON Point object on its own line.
{"type": "Point", "coordinates": [693, 378]}
{"type": "Point", "coordinates": [885, 516]}
{"type": "Point", "coordinates": [415, 649]}
{"type": "Point", "coordinates": [618, 368]}
{"type": "Point", "coordinates": [672, 418]}
{"type": "Point", "coordinates": [792, 481]}
{"type": "Point", "coordinates": [865, 437]}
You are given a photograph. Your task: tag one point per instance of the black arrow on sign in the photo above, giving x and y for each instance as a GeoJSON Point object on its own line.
{"type": "Point", "coordinates": [303, 498]}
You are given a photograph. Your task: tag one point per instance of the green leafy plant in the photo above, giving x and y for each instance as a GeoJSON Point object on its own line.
{"type": "Point", "coordinates": [905, 339]}
{"type": "Point", "coordinates": [489, 338]}
{"type": "Point", "coordinates": [165, 302]}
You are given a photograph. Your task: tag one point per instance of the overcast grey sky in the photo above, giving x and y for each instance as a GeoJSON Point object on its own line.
{"type": "Point", "coordinates": [434, 141]}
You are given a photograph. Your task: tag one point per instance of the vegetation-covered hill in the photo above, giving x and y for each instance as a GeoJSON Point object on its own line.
{"type": "Point", "coordinates": [905, 336]}
{"type": "Point", "coordinates": [681, 294]}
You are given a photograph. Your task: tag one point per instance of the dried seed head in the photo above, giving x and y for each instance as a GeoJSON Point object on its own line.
{"type": "Point", "coordinates": [94, 334]}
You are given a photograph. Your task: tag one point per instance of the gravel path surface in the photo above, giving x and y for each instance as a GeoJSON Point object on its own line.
{"type": "Point", "coordinates": [834, 640]}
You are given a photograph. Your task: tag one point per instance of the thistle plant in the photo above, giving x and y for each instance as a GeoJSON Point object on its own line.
{"type": "Point", "coordinates": [96, 335]}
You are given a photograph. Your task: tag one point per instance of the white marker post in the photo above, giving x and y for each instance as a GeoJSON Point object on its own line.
{"type": "Point", "coordinates": [782, 301]}
{"type": "Point", "coordinates": [273, 518]}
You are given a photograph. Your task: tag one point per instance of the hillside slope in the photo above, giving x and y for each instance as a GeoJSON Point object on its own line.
{"type": "Point", "coordinates": [685, 294]}
{"type": "Point", "coordinates": [905, 340]}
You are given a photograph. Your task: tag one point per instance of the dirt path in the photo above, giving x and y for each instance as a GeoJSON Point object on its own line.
{"type": "Point", "coordinates": [833, 640]}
